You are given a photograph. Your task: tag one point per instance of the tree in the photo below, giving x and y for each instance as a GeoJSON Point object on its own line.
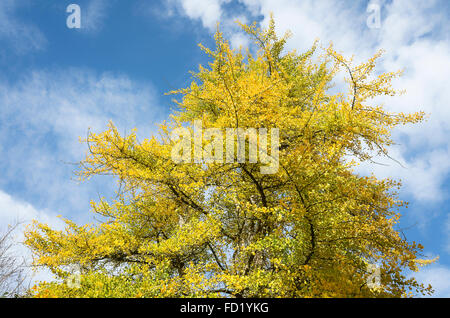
{"type": "Point", "coordinates": [312, 228]}
{"type": "Point", "coordinates": [12, 275]}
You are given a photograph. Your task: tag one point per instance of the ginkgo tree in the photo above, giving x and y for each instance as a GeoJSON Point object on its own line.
{"type": "Point", "coordinates": [313, 228]}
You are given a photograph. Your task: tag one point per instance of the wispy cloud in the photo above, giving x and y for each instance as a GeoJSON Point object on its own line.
{"type": "Point", "coordinates": [15, 211]}
{"type": "Point", "coordinates": [19, 36]}
{"type": "Point", "coordinates": [93, 15]}
{"type": "Point", "coordinates": [438, 277]}
{"type": "Point", "coordinates": [208, 13]}
{"type": "Point", "coordinates": [42, 117]}
{"type": "Point", "coordinates": [205, 14]}
{"type": "Point", "coordinates": [446, 229]}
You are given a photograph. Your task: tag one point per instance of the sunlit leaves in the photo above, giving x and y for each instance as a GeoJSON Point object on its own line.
{"type": "Point", "coordinates": [224, 229]}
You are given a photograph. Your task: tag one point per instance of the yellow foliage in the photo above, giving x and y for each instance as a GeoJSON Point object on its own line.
{"type": "Point", "coordinates": [225, 229]}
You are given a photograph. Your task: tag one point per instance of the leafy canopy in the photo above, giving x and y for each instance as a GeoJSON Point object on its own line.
{"type": "Point", "coordinates": [224, 229]}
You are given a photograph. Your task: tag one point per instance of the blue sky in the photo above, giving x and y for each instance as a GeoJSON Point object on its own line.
{"type": "Point", "coordinates": [57, 82]}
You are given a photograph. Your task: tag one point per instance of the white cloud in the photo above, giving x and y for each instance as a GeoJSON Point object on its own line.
{"type": "Point", "coordinates": [93, 15]}
{"type": "Point", "coordinates": [239, 40]}
{"type": "Point", "coordinates": [42, 117]}
{"type": "Point", "coordinates": [328, 20]}
{"type": "Point", "coordinates": [447, 231]}
{"type": "Point", "coordinates": [207, 12]}
{"type": "Point", "coordinates": [439, 278]}
{"type": "Point", "coordinates": [22, 37]}
{"type": "Point", "coordinates": [425, 148]}
{"type": "Point", "coordinates": [13, 211]}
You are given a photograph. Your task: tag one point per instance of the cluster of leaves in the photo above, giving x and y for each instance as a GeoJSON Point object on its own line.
{"type": "Point", "coordinates": [224, 229]}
